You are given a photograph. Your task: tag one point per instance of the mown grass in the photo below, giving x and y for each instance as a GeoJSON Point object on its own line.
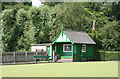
{"type": "Point", "coordinates": [73, 69]}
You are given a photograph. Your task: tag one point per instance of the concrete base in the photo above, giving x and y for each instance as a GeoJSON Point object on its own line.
{"type": "Point", "coordinates": [65, 61]}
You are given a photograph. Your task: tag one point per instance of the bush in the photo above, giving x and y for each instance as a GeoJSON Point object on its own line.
{"type": "Point", "coordinates": [107, 56]}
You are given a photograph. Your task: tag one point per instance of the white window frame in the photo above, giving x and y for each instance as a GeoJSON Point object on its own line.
{"type": "Point", "coordinates": [82, 48]}
{"type": "Point", "coordinates": [65, 45]}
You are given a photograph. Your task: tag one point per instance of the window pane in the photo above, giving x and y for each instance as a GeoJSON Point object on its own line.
{"type": "Point", "coordinates": [83, 48]}
{"type": "Point", "coordinates": [67, 48]}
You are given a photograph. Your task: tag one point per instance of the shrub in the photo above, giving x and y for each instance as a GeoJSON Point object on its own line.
{"type": "Point", "coordinates": [107, 56]}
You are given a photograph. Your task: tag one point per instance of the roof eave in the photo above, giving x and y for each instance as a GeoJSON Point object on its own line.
{"type": "Point", "coordinates": [85, 43]}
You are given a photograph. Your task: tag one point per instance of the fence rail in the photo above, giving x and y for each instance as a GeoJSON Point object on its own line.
{"type": "Point", "coordinates": [13, 57]}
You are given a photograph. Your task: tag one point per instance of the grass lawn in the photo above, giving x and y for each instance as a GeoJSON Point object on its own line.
{"type": "Point", "coordinates": [73, 69]}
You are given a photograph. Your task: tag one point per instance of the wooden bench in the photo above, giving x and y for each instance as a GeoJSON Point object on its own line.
{"type": "Point", "coordinates": [38, 58]}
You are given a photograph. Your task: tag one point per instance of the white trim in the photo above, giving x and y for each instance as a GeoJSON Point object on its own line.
{"type": "Point", "coordinates": [65, 45]}
{"type": "Point", "coordinates": [50, 52]}
{"type": "Point", "coordinates": [82, 48]}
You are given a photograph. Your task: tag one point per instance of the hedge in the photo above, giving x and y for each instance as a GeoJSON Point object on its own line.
{"type": "Point", "coordinates": [107, 55]}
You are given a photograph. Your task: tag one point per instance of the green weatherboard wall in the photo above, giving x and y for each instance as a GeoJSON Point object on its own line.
{"type": "Point", "coordinates": [88, 54]}
{"type": "Point", "coordinates": [48, 49]}
{"type": "Point", "coordinates": [90, 51]}
{"type": "Point", "coordinates": [77, 49]}
{"type": "Point", "coordinates": [59, 50]}
{"type": "Point", "coordinates": [76, 53]}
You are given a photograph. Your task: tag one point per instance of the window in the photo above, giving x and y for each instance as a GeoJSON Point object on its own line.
{"type": "Point", "coordinates": [67, 48]}
{"type": "Point", "coordinates": [83, 48]}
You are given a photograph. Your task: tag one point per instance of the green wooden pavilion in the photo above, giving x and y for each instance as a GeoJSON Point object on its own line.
{"type": "Point", "coordinates": [73, 46]}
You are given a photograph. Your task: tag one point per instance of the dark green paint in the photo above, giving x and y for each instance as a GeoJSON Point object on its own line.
{"type": "Point", "coordinates": [77, 49]}
{"type": "Point", "coordinates": [88, 54]}
{"type": "Point", "coordinates": [72, 50]}
{"type": "Point", "coordinates": [90, 51]}
{"type": "Point", "coordinates": [59, 50]}
{"type": "Point", "coordinates": [48, 49]}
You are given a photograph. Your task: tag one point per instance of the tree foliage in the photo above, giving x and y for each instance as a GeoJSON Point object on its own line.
{"type": "Point", "coordinates": [23, 25]}
{"type": "Point", "coordinates": [110, 36]}
{"type": "Point", "coordinates": [96, 36]}
{"type": "Point", "coordinates": [9, 5]}
{"type": "Point", "coordinates": [67, 14]}
{"type": "Point", "coordinates": [26, 31]}
{"type": "Point", "coordinates": [7, 26]}
{"type": "Point", "coordinates": [40, 19]}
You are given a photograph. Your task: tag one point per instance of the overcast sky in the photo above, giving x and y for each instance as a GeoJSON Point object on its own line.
{"type": "Point", "coordinates": [36, 3]}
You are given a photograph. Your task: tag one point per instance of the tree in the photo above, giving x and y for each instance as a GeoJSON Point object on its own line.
{"type": "Point", "coordinates": [112, 10]}
{"type": "Point", "coordinates": [52, 4]}
{"type": "Point", "coordinates": [25, 33]}
{"type": "Point", "coordinates": [11, 28]}
{"type": "Point", "coordinates": [7, 26]}
{"type": "Point", "coordinates": [40, 19]}
{"type": "Point", "coordinates": [36, 19]}
{"type": "Point", "coordinates": [23, 25]}
{"type": "Point", "coordinates": [116, 10]}
{"type": "Point", "coordinates": [12, 5]}
{"type": "Point", "coordinates": [72, 15]}
{"type": "Point", "coordinates": [96, 36]}
{"type": "Point", "coordinates": [110, 36]}
{"type": "Point", "coordinates": [94, 6]}
{"type": "Point", "coordinates": [45, 23]}
{"type": "Point", "coordinates": [1, 43]}
{"type": "Point", "coordinates": [1, 34]}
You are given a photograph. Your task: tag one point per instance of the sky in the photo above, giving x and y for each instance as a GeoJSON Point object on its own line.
{"type": "Point", "coordinates": [36, 3]}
